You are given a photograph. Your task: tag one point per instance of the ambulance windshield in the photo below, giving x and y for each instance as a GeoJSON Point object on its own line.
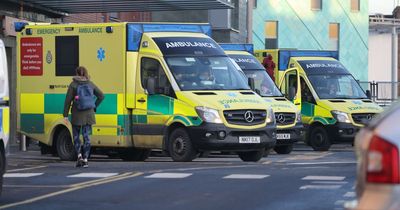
{"type": "Point", "coordinates": [206, 73]}
{"type": "Point", "coordinates": [336, 86]}
{"type": "Point", "coordinates": [263, 83]}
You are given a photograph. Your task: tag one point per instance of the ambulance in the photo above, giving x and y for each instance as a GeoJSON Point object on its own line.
{"type": "Point", "coordinates": [167, 86]}
{"type": "Point", "coordinates": [333, 105]}
{"type": "Point", "coordinates": [4, 111]}
{"type": "Point", "coordinates": [287, 116]}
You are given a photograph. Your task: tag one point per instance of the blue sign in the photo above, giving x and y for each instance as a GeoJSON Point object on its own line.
{"type": "Point", "coordinates": [101, 54]}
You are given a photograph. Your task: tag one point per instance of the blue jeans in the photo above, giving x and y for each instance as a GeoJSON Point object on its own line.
{"type": "Point", "coordinates": [76, 129]}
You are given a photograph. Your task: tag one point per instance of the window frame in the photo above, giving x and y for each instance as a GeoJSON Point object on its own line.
{"type": "Point", "coordinates": [312, 5]}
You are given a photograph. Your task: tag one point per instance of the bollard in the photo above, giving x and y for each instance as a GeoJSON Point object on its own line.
{"type": "Point", "coordinates": [23, 143]}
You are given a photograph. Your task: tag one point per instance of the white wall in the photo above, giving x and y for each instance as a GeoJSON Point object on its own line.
{"type": "Point", "coordinates": [379, 56]}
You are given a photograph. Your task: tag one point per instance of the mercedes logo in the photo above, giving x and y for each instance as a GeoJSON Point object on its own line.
{"type": "Point", "coordinates": [249, 116]}
{"type": "Point", "coordinates": [280, 118]}
{"type": "Point", "coordinates": [369, 117]}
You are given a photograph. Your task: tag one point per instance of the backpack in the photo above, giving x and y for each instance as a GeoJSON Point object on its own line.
{"type": "Point", "coordinates": [84, 98]}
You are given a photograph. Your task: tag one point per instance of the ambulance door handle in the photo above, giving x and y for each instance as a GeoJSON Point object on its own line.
{"type": "Point", "coordinates": [141, 100]}
{"type": "Point", "coordinates": [297, 104]}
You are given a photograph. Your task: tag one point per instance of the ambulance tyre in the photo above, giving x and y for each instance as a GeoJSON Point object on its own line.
{"type": "Point", "coordinates": [319, 139]}
{"type": "Point", "coordinates": [284, 149]}
{"type": "Point", "coordinates": [180, 146]}
{"type": "Point", "coordinates": [135, 154]}
{"type": "Point", "coordinates": [65, 147]}
{"type": "Point", "coordinates": [252, 156]}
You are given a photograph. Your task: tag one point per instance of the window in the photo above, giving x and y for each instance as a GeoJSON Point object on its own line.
{"type": "Point", "coordinates": [334, 36]}
{"type": "Point", "coordinates": [67, 55]}
{"type": "Point", "coordinates": [152, 69]}
{"type": "Point", "coordinates": [255, 4]}
{"type": "Point", "coordinates": [316, 4]}
{"type": "Point", "coordinates": [235, 14]}
{"type": "Point", "coordinates": [271, 34]}
{"type": "Point", "coordinates": [355, 5]}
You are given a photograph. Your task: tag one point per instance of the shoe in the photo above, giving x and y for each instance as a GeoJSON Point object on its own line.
{"type": "Point", "coordinates": [85, 163]}
{"type": "Point", "coordinates": [79, 162]}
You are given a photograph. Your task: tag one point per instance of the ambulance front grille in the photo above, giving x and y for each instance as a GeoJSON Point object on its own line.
{"type": "Point", "coordinates": [284, 118]}
{"type": "Point", "coordinates": [362, 118]}
{"type": "Point", "coordinates": [245, 116]}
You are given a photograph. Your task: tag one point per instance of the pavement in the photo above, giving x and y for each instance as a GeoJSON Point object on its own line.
{"type": "Point", "coordinates": [303, 179]}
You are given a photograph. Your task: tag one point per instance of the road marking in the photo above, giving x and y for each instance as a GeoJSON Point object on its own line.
{"type": "Point", "coordinates": [24, 169]}
{"type": "Point", "coordinates": [245, 176]}
{"type": "Point", "coordinates": [74, 188]}
{"type": "Point", "coordinates": [320, 187]}
{"type": "Point", "coordinates": [318, 163]}
{"type": "Point", "coordinates": [21, 175]}
{"type": "Point", "coordinates": [169, 175]}
{"type": "Point", "coordinates": [350, 195]}
{"type": "Point", "coordinates": [324, 178]}
{"type": "Point", "coordinates": [340, 202]}
{"type": "Point", "coordinates": [92, 175]}
{"type": "Point", "coordinates": [329, 182]}
{"type": "Point", "coordinates": [35, 186]}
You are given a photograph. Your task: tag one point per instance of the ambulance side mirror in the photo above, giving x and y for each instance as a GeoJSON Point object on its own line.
{"type": "Point", "coordinates": [368, 93]}
{"type": "Point", "coordinates": [251, 83]}
{"type": "Point", "coordinates": [151, 86]}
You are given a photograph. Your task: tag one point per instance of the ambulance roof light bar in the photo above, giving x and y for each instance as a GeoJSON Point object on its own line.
{"type": "Point", "coordinates": [135, 31]}
{"type": "Point", "coordinates": [285, 55]}
{"type": "Point", "coordinates": [238, 47]}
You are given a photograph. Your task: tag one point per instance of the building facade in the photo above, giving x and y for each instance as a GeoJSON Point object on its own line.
{"type": "Point", "coordinates": [228, 25]}
{"type": "Point", "coordinates": [340, 25]}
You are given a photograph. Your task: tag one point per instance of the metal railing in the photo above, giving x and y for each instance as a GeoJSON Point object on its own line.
{"type": "Point", "coordinates": [381, 91]}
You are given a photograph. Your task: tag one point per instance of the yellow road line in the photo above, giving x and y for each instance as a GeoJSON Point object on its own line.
{"type": "Point", "coordinates": [74, 188]}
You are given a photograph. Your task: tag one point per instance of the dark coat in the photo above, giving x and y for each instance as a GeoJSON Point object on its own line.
{"type": "Point", "coordinates": [85, 117]}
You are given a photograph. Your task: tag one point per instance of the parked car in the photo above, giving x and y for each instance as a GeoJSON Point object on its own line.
{"type": "Point", "coordinates": [378, 162]}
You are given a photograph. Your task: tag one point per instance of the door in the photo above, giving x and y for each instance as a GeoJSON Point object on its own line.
{"type": "Point", "coordinates": [4, 97]}
{"type": "Point", "coordinates": [290, 86]}
{"type": "Point", "coordinates": [154, 104]}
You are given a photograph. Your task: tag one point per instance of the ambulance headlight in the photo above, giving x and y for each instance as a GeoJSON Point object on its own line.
{"type": "Point", "coordinates": [298, 116]}
{"type": "Point", "coordinates": [270, 116]}
{"type": "Point", "coordinates": [341, 116]}
{"type": "Point", "coordinates": [208, 115]}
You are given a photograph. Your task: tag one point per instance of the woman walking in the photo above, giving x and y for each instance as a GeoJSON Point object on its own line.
{"type": "Point", "coordinates": [80, 95]}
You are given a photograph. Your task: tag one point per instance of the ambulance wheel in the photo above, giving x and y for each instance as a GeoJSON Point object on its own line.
{"type": "Point", "coordinates": [65, 147]}
{"type": "Point", "coordinates": [180, 146]}
{"type": "Point", "coordinates": [319, 139]}
{"type": "Point", "coordinates": [252, 156]}
{"type": "Point", "coordinates": [135, 154]}
{"type": "Point", "coordinates": [284, 149]}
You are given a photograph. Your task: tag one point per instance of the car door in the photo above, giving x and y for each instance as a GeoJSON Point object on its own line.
{"type": "Point", "coordinates": [290, 86]}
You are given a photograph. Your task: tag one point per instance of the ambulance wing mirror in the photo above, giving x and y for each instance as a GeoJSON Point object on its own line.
{"type": "Point", "coordinates": [368, 93]}
{"type": "Point", "coordinates": [151, 86]}
{"type": "Point", "coordinates": [291, 93]}
{"type": "Point", "coordinates": [250, 81]}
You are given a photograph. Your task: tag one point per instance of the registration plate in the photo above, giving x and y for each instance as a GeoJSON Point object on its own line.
{"type": "Point", "coordinates": [283, 136]}
{"type": "Point", "coordinates": [249, 139]}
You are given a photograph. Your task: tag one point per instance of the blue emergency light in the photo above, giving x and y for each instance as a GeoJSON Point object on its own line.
{"type": "Point", "coordinates": [238, 47]}
{"type": "Point", "coordinates": [19, 26]}
{"type": "Point", "coordinates": [135, 31]}
{"type": "Point", "coordinates": [285, 55]}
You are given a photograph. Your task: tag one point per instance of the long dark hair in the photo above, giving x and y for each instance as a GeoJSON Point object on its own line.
{"type": "Point", "coordinates": [82, 71]}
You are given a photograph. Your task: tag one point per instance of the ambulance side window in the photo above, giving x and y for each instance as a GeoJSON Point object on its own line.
{"type": "Point", "coordinates": [152, 69]}
{"type": "Point", "coordinates": [67, 55]}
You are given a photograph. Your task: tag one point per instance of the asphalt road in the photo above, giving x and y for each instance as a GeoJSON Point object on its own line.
{"type": "Point", "coordinates": [303, 179]}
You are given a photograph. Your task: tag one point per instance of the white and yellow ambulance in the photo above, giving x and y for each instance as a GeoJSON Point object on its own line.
{"type": "Point", "coordinates": [4, 112]}
{"type": "Point", "coordinates": [287, 116]}
{"type": "Point", "coordinates": [167, 86]}
{"type": "Point", "coordinates": [333, 105]}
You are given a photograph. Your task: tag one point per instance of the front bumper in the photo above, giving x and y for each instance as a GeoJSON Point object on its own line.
{"type": "Point", "coordinates": [296, 132]}
{"type": "Point", "coordinates": [342, 132]}
{"type": "Point", "coordinates": [206, 137]}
